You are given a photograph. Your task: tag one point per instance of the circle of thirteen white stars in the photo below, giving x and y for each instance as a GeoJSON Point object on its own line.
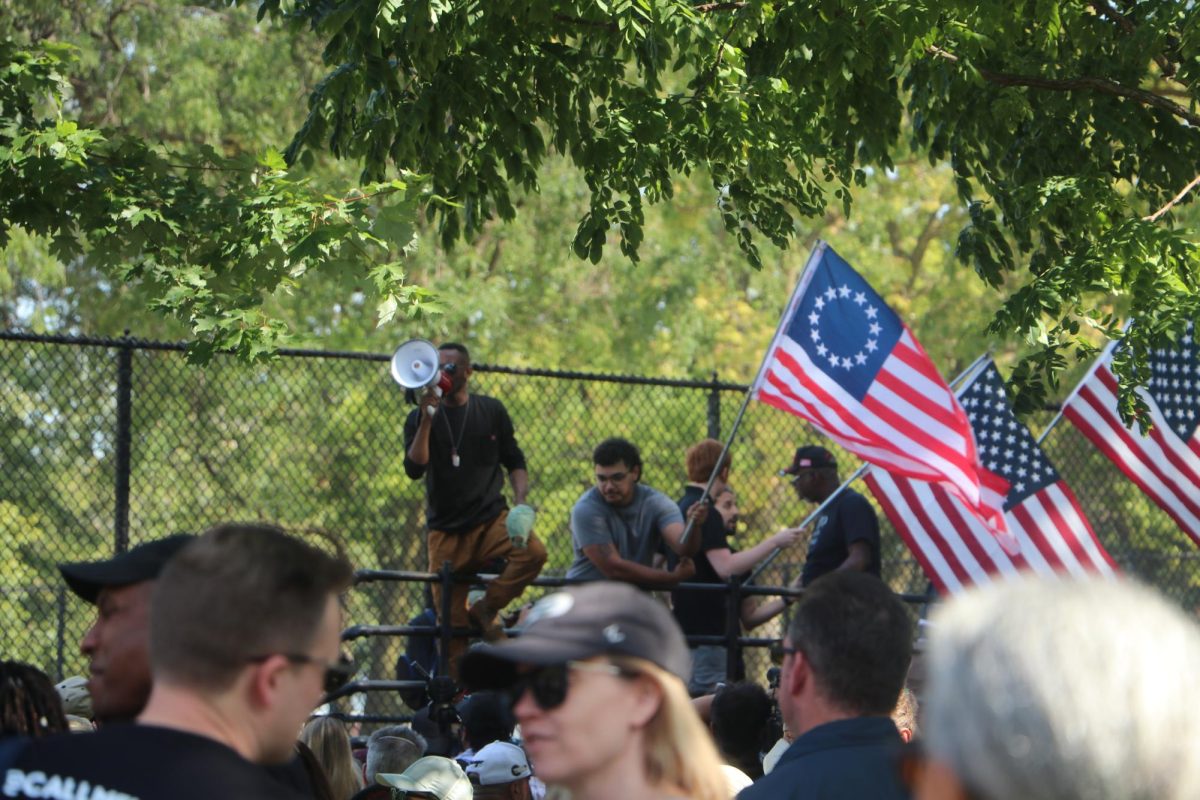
{"type": "Point", "coordinates": [860, 300]}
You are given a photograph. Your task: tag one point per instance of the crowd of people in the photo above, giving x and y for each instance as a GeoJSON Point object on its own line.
{"type": "Point", "coordinates": [209, 655]}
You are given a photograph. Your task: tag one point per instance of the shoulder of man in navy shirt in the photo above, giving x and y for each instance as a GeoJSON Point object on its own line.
{"type": "Point", "coordinates": [846, 657]}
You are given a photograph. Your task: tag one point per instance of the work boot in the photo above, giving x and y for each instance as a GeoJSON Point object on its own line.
{"type": "Point", "coordinates": [483, 617]}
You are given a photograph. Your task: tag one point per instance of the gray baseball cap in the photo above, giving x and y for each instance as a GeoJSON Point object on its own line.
{"type": "Point", "coordinates": [596, 619]}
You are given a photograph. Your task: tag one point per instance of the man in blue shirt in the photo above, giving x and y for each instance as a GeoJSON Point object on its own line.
{"type": "Point", "coordinates": [846, 534]}
{"type": "Point", "coordinates": [846, 655]}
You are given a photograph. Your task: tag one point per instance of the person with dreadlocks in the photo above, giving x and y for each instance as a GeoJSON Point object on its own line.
{"type": "Point", "coordinates": [29, 704]}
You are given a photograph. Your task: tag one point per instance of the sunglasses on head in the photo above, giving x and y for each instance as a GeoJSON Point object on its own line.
{"type": "Point", "coordinates": [548, 685]}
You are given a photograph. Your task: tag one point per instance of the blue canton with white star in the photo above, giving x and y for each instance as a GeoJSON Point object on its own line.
{"type": "Point", "coordinates": [843, 325]}
{"type": "Point", "coordinates": [1175, 384]}
{"type": "Point", "coordinates": [1006, 447]}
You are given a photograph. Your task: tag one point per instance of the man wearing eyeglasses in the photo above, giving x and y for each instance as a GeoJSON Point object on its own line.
{"type": "Point", "coordinates": [244, 641]}
{"type": "Point", "coordinates": [844, 660]}
{"type": "Point", "coordinates": [619, 525]}
{"type": "Point", "coordinates": [459, 444]}
{"type": "Point", "coordinates": [846, 535]}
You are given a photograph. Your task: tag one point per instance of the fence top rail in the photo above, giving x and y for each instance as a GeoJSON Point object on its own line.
{"type": "Point", "coordinates": [407, 576]}
{"type": "Point", "coordinates": [131, 343]}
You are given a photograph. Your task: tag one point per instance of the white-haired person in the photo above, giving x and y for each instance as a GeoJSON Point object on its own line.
{"type": "Point", "coordinates": [598, 675]}
{"type": "Point", "coordinates": [1061, 690]}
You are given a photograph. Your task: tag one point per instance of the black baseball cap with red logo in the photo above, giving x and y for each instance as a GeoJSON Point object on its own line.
{"type": "Point", "coordinates": [809, 457]}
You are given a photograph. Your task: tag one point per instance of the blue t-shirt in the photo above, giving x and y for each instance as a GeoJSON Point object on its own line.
{"type": "Point", "coordinates": [635, 530]}
{"type": "Point", "coordinates": [848, 519]}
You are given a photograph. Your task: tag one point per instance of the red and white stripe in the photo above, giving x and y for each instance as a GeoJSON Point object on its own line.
{"type": "Point", "coordinates": [909, 422]}
{"type": "Point", "coordinates": [957, 551]}
{"type": "Point", "coordinates": [1163, 466]}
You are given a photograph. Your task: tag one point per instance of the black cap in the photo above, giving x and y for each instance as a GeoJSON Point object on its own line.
{"type": "Point", "coordinates": [603, 618]}
{"type": "Point", "coordinates": [142, 563]}
{"type": "Point", "coordinates": [809, 457]}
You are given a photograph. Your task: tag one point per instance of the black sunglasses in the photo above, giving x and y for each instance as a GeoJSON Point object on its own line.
{"type": "Point", "coordinates": [449, 369]}
{"type": "Point", "coordinates": [549, 685]}
{"type": "Point", "coordinates": [336, 675]}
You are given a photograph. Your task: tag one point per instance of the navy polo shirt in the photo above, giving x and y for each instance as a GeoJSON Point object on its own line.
{"type": "Point", "coordinates": [851, 759]}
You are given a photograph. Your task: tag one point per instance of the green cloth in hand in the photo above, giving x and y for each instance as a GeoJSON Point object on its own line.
{"type": "Point", "coordinates": [520, 523]}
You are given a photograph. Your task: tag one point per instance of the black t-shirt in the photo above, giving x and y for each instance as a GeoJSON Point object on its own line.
{"type": "Point", "coordinates": [481, 432]}
{"type": "Point", "coordinates": [699, 612]}
{"type": "Point", "coordinates": [848, 519]}
{"type": "Point", "coordinates": [137, 762]}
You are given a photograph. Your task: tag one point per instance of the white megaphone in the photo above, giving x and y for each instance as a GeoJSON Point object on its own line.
{"type": "Point", "coordinates": [415, 366]}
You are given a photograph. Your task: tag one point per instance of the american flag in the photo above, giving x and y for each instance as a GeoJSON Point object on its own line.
{"type": "Point", "coordinates": [844, 361]}
{"type": "Point", "coordinates": [1165, 464]}
{"type": "Point", "coordinates": [1042, 512]}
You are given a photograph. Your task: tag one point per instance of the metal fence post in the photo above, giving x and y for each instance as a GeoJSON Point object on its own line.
{"type": "Point", "coordinates": [714, 408]}
{"type": "Point", "coordinates": [123, 442]}
{"type": "Point", "coordinates": [733, 627]}
{"type": "Point", "coordinates": [61, 633]}
{"type": "Point", "coordinates": [445, 629]}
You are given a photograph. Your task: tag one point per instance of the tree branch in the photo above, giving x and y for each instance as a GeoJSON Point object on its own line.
{"type": "Point", "coordinates": [916, 256]}
{"type": "Point", "coordinates": [1101, 85]}
{"type": "Point", "coordinates": [1174, 201]}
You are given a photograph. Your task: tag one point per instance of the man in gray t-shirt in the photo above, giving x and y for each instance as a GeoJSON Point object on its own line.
{"type": "Point", "coordinates": [618, 525]}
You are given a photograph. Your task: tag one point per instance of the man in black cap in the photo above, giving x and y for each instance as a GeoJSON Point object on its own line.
{"type": "Point", "coordinates": [245, 628]}
{"type": "Point", "coordinates": [117, 644]}
{"type": "Point", "coordinates": [846, 534]}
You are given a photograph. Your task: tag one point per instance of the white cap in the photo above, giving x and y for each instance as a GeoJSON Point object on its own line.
{"type": "Point", "coordinates": [435, 775]}
{"type": "Point", "coordinates": [499, 762]}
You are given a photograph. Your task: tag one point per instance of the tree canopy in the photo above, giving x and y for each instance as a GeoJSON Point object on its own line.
{"type": "Point", "coordinates": [1068, 128]}
{"type": "Point", "coordinates": [207, 235]}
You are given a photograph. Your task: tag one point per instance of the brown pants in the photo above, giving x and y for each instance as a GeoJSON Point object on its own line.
{"type": "Point", "coordinates": [468, 552]}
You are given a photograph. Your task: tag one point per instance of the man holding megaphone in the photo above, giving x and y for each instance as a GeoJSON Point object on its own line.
{"type": "Point", "coordinates": [459, 442]}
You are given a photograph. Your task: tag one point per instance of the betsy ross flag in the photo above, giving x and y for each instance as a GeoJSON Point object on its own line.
{"type": "Point", "coordinates": [1043, 515]}
{"type": "Point", "coordinates": [1165, 463]}
{"type": "Point", "coordinates": [844, 361]}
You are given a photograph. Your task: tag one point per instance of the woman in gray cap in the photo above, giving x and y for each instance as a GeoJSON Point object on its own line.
{"type": "Point", "coordinates": [598, 677]}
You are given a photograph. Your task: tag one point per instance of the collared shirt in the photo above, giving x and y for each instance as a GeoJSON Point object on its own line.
{"type": "Point", "coordinates": [850, 759]}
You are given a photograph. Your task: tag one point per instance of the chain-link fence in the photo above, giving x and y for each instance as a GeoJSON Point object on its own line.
{"type": "Point", "coordinates": [108, 443]}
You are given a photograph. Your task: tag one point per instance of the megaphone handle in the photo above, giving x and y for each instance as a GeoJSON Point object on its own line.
{"type": "Point", "coordinates": [431, 409]}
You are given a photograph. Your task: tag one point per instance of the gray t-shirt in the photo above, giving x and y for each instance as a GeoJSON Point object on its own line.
{"type": "Point", "coordinates": [634, 530]}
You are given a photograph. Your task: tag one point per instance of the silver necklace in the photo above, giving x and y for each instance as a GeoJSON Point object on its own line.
{"type": "Point", "coordinates": [454, 443]}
